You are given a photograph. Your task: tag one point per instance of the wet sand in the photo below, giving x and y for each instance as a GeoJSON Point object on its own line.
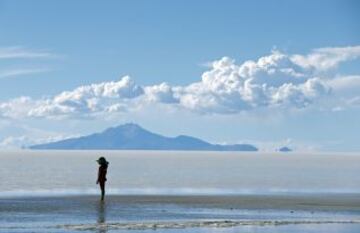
{"type": "Point", "coordinates": [148, 212]}
{"type": "Point", "coordinates": [331, 202]}
{"type": "Point", "coordinates": [303, 202]}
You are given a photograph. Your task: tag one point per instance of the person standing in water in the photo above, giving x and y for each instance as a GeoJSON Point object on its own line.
{"type": "Point", "coordinates": [102, 175]}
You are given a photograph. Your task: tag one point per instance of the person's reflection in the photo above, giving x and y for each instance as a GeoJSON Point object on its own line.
{"type": "Point", "coordinates": [101, 217]}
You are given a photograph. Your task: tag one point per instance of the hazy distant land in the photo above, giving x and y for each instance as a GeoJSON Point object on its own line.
{"type": "Point", "coordinates": [134, 137]}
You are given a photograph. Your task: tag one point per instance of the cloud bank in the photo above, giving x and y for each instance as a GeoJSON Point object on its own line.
{"type": "Point", "coordinates": [277, 80]}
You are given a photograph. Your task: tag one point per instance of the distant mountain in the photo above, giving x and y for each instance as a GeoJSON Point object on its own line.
{"type": "Point", "coordinates": [134, 137]}
{"type": "Point", "coordinates": [285, 149]}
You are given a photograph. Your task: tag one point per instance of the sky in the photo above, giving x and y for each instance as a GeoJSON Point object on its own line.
{"type": "Point", "coordinates": [271, 73]}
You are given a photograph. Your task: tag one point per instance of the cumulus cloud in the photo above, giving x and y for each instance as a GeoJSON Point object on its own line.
{"type": "Point", "coordinates": [17, 107]}
{"type": "Point", "coordinates": [163, 93]}
{"type": "Point", "coordinates": [89, 99]}
{"type": "Point", "coordinates": [273, 80]}
{"type": "Point", "coordinates": [277, 80]}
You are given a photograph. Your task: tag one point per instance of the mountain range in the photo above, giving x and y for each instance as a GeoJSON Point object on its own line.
{"type": "Point", "coordinates": [133, 137]}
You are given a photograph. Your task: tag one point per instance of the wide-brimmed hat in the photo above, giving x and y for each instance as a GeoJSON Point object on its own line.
{"type": "Point", "coordinates": [102, 160]}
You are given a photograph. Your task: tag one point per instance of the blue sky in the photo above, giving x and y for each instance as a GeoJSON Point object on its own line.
{"type": "Point", "coordinates": [49, 47]}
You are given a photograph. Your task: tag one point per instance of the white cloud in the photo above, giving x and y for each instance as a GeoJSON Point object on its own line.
{"type": "Point", "coordinates": [277, 80]}
{"type": "Point", "coordinates": [24, 141]}
{"type": "Point", "coordinates": [92, 98]}
{"type": "Point", "coordinates": [272, 80]}
{"type": "Point", "coordinates": [327, 58]}
{"type": "Point", "coordinates": [161, 93]}
{"type": "Point", "coordinates": [345, 83]}
{"type": "Point", "coordinates": [14, 142]}
{"type": "Point", "coordinates": [23, 71]}
{"type": "Point", "coordinates": [17, 52]}
{"type": "Point", "coordinates": [17, 107]}
{"type": "Point", "coordinates": [354, 101]}
{"type": "Point", "coordinates": [17, 134]}
{"type": "Point", "coordinates": [346, 91]}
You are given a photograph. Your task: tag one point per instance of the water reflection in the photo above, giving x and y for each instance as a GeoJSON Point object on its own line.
{"type": "Point", "coordinates": [101, 217]}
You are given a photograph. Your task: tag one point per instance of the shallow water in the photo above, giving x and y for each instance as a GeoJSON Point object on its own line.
{"type": "Point", "coordinates": [138, 172]}
{"type": "Point", "coordinates": [55, 191]}
{"type": "Point", "coordinates": [167, 214]}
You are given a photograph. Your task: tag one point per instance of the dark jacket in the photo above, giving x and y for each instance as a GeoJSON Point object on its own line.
{"type": "Point", "coordinates": [102, 173]}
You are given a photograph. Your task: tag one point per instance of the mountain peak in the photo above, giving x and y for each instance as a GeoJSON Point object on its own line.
{"type": "Point", "coordinates": [128, 131]}
{"type": "Point", "coordinates": [131, 136]}
{"type": "Point", "coordinates": [129, 127]}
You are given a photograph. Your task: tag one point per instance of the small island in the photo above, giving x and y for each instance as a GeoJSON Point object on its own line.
{"type": "Point", "coordinates": [285, 149]}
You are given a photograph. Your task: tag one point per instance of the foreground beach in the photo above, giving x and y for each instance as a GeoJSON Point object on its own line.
{"type": "Point", "coordinates": [180, 192]}
{"type": "Point", "coordinates": [267, 213]}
